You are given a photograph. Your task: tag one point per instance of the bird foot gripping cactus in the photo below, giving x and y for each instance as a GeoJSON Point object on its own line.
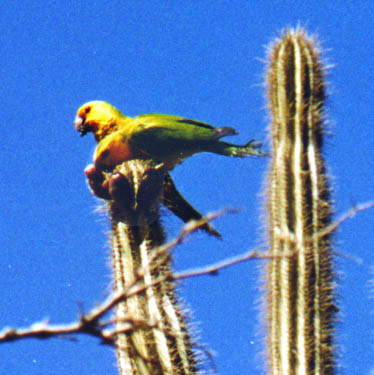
{"type": "Point", "coordinates": [119, 191]}
{"type": "Point", "coordinates": [105, 185]}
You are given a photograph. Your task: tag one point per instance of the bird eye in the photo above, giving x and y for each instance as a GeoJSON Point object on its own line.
{"type": "Point", "coordinates": [87, 110]}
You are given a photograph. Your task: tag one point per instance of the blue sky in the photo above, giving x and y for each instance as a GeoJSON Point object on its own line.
{"type": "Point", "coordinates": [202, 60]}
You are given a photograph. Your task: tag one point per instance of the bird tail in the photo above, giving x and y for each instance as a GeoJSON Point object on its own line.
{"type": "Point", "coordinates": [250, 148]}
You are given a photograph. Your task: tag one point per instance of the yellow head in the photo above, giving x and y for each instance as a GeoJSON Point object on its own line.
{"type": "Point", "coordinates": [98, 117]}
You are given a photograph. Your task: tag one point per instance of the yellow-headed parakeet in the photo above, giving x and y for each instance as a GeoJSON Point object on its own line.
{"type": "Point", "coordinates": [165, 138]}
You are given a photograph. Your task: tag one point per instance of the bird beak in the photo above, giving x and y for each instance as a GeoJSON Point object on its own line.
{"type": "Point", "coordinates": [80, 125]}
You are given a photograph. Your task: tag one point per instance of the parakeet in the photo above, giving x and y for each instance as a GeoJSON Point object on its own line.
{"type": "Point", "coordinates": [165, 138]}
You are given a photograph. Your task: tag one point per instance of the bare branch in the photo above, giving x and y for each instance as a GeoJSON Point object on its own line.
{"type": "Point", "coordinates": [346, 216]}
{"type": "Point", "coordinates": [92, 324]}
{"type": "Point", "coordinates": [214, 268]}
{"type": "Point", "coordinates": [87, 324]}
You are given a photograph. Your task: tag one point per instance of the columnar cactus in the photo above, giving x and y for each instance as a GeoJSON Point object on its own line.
{"type": "Point", "coordinates": [300, 300]}
{"type": "Point", "coordinates": [161, 344]}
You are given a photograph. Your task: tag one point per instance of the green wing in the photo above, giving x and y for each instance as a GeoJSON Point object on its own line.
{"type": "Point", "coordinates": [183, 126]}
{"type": "Point", "coordinates": [166, 135]}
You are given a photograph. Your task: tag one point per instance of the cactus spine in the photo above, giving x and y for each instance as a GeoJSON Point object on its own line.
{"type": "Point", "coordinates": [162, 345]}
{"type": "Point", "coordinates": [300, 301]}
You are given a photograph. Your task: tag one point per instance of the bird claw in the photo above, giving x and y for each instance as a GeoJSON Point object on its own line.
{"type": "Point", "coordinates": [256, 146]}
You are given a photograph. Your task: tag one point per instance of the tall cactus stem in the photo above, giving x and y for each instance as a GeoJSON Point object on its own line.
{"type": "Point", "coordinates": [300, 291]}
{"type": "Point", "coordinates": [164, 346]}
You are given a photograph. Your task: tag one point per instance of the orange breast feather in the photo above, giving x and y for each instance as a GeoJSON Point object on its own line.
{"type": "Point", "coordinates": [112, 151]}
